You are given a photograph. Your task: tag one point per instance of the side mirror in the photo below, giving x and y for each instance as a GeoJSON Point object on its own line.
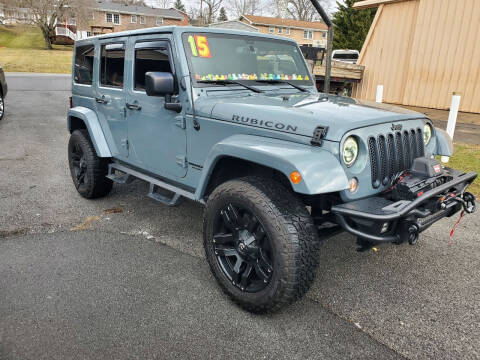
{"type": "Point", "coordinates": [159, 83]}
{"type": "Point", "coordinates": [162, 84]}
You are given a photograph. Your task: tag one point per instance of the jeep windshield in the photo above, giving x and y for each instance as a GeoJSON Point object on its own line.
{"type": "Point", "coordinates": [214, 58]}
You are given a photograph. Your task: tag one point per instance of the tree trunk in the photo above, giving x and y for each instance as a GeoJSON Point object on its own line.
{"type": "Point", "coordinates": [46, 36]}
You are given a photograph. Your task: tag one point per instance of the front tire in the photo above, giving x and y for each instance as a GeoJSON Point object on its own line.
{"type": "Point", "coordinates": [261, 243]}
{"type": "Point", "coordinates": [87, 169]}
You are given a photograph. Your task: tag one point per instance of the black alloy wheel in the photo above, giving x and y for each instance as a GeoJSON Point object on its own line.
{"type": "Point", "coordinates": [243, 249]}
{"type": "Point", "coordinates": [79, 165]}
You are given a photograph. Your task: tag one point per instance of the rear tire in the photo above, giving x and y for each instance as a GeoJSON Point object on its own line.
{"type": "Point", "coordinates": [87, 169]}
{"type": "Point", "coordinates": [261, 243]}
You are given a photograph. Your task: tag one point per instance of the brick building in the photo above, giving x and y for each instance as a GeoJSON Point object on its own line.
{"type": "Point", "coordinates": [109, 17]}
{"type": "Point", "coordinates": [308, 33]}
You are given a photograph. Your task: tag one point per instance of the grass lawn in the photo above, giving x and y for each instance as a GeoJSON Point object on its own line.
{"type": "Point", "coordinates": [37, 61]}
{"type": "Point", "coordinates": [467, 158]}
{"type": "Point", "coordinates": [22, 49]}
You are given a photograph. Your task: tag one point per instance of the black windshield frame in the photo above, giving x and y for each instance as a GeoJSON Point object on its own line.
{"type": "Point", "coordinates": [197, 84]}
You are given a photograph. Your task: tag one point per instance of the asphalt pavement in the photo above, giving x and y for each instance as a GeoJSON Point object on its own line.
{"type": "Point", "coordinates": [125, 277]}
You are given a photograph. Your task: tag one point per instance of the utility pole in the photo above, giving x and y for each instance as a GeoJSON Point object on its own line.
{"type": "Point", "coordinates": [328, 65]}
{"type": "Point", "coordinates": [201, 13]}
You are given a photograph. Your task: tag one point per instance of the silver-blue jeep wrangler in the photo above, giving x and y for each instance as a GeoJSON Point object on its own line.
{"type": "Point", "coordinates": [234, 120]}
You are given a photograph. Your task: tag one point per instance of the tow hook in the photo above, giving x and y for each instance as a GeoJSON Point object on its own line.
{"type": "Point", "coordinates": [409, 231]}
{"type": "Point", "coordinates": [413, 234]}
{"type": "Point", "coordinates": [469, 203]}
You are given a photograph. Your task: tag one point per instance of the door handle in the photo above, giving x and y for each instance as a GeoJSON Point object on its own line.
{"type": "Point", "coordinates": [102, 100]}
{"type": "Point", "coordinates": [134, 107]}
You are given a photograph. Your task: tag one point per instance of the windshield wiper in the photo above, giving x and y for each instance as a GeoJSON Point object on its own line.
{"type": "Point", "coordinates": [230, 82]}
{"type": "Point", "coordinates": [302, 89]}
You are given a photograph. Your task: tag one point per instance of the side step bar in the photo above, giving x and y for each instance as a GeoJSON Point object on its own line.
{"type": "Point", "coordinates": [127, 175]}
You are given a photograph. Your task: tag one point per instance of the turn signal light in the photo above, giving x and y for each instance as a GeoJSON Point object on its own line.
{"type": "Point", "coordinates": [353, 184]}
{"type": "Point", "coordinates": [295, 177]}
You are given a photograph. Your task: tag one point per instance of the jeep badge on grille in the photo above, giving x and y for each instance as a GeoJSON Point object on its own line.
{"type": "Point", "coordinates": [397, 127]}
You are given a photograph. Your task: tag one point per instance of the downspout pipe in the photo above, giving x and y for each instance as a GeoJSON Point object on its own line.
{"type": "Point", "coordinates": [328, 65]}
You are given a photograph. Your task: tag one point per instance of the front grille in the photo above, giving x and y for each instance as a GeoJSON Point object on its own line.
{"type": "Point", "coordinates": [393, 153]}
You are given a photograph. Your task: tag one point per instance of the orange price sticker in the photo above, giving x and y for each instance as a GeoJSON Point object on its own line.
{"type": "Point", "coordinates": [202, 46]}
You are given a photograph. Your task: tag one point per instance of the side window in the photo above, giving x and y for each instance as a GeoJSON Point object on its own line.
{"type": "Point", "coordinates": [156, 59]}
{"type": "Point", "coordinates": [112, 65]}
{"type": "Point", "coordinates": [84, 56]}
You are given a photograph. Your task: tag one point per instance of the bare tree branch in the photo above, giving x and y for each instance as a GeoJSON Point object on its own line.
{"type": "Point", "coordinates": [299, 9]}
{"type": "Point", "coordinates": [244, 7]}
{"type": "Point", "coordinates": [47, 13]}
{"type": "Point", "coordinates": [212, 8]}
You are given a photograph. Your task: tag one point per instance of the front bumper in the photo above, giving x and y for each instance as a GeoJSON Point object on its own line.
{"type": "Point", "coordinates": [378, 219]}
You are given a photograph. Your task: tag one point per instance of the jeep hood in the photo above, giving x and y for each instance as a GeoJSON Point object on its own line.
{"type": "Point", "coordinates": [301, 114]}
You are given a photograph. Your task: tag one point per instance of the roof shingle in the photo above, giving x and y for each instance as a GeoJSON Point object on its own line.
{"type": "Point", "coordinates": [139, 10]}
{"type": "Point", "coordinates": [264, 20]}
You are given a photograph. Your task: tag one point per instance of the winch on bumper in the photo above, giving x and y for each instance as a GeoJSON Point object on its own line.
{"type": "Point", "coordinates": [388, 218]}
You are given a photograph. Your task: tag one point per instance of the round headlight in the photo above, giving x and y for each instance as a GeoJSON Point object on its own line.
{"type": "Point", "coordinates": [427, 133]}
{"type": "Point", "coordinates": [350, 151]}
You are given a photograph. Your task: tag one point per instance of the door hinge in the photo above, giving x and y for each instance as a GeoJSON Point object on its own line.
{"type": "Point", "coordinates": [180, 121]}
{"type": "Point", "coordinates": [182, 161]}
{"type": "Point", "coordinates": [124, 112]}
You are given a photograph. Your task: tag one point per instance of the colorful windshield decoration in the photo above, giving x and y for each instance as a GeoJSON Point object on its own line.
{"type": "Point", "coordinates": [265, 76]}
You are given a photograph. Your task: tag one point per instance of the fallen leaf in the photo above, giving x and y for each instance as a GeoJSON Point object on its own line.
{"type": "Point", "coordinates": [87, 224]}
{"type": "Point", "coordinates": [115, 210]}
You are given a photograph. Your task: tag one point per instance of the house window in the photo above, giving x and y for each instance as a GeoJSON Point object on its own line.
{"type": "Point", "coordinates": [324, 34]}
{"type": "Point", "coordinates": [116, 19]}
{"type": "Point", "coordinates": [159, 21]}
{"type": "Point", "coordinates": [287, 31]}
{"type": "Point", "coordinates": [108, 17]}
{"type": "Point", "coordinates": [307, 34]}
{"type": "Point", "coordinates": [142, 19]}
{"type": "Point", "coordinates": [89, 33]}
{"type": "Point", "coordinates": [133, 19]}
{"type": "Point", "coordinates": [271, 30]}
{"type": "Point", "coordinates": [280, 30]}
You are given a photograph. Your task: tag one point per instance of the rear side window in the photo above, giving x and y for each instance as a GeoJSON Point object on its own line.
{"type": "Point", "coordinates": [150, 57]}
{"type": "Point", "coordinates": [84, 56]}
{"type": "Point", "coordinates": [112, 65]}
{"type": "Point", "coordinates": [346, 56]}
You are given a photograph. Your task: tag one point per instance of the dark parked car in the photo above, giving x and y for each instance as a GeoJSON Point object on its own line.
{"type": "Point", "coordinates": [3, 92]}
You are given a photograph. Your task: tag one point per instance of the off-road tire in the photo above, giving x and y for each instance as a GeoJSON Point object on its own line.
{"type": "Point", "coordinates": [290, 228]}
{"type": "Point", "coordinates": [96, 184]}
